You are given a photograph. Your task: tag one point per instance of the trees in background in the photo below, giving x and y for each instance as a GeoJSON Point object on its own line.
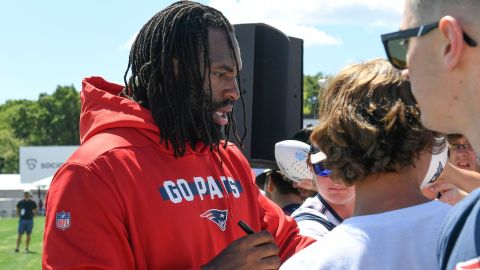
{"type": "Point", "coordinates": [9, 144]}
{"type": "Point", "coordinates": [51, 120]}
{"type": "Point", "coordinates": [312, 87]}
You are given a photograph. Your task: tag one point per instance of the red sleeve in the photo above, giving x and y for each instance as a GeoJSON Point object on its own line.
{"type": "Point", "coordinates": [84, 225]}
{"type": "Point", "coordinates": [283, 228]}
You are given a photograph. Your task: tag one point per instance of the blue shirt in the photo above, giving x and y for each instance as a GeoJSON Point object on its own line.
{"type": "Point", "coordinates": [460, 234]}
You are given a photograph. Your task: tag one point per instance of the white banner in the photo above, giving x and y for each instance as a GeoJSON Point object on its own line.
{"type": "Point", "coordinates": [37, 162]}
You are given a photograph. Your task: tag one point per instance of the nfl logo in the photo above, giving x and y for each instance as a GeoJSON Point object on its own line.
{"type": "Point", "coordinates": [63, 220]}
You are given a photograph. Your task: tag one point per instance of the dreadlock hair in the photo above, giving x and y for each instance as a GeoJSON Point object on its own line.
{"type": "Point", "coordinates": [167, 76]}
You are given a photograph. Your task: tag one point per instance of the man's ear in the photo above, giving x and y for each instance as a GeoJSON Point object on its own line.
{"type": "Point", "coordinates": [451, 30]}
{"type": "Point", "coordinates": [269, 186]}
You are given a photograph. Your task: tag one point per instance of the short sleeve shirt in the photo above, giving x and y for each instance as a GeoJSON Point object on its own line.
{"type": "Point", "coordinates": [459, 242]}
{"type": "Point", "coordinates": [26, 208]}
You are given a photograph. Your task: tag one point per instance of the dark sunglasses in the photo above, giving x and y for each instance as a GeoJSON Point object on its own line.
{"type": "Point", "coordinates": [396, 43]}
{"type": "Point", "coordinates": [318, 168]}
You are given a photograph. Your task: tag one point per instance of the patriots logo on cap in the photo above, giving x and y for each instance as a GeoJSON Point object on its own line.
{"type": "Point", "coordinates": [219, 217]}
{"type": "Point", "coordinates": [62, 220]}
{"type": "Point", "coordinates": [301, 155]}
{"type": "Point", "coordinates": [437, 173]}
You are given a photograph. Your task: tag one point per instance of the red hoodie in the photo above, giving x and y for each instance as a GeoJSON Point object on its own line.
{"type": "Point", "coordinates": [122, 201]}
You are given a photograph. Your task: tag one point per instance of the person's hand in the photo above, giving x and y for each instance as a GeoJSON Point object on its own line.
{"type": "Point", "coordinates": [254, 251]}
{"type": "Point", "coordinates": [449, 174]}
{"type": "Point", "coordinates": [448, 192]}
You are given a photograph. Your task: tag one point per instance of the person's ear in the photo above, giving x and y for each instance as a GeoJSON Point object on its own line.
{"type": "Point", "coordinates": [451, 30]}
{"type": "Point", "coordinates": [269, 186]}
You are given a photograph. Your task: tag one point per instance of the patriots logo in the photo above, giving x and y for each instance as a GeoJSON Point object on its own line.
{"type": "Point", "coordinates": [437, 173]}
{"type": "Point", "coordinates": [301, 155]}
{"type": "Point", "coordinates": [217, 216]}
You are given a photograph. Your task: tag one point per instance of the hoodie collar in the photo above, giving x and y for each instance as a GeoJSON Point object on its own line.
{"type": "Point", "coordinates": [103, 108]}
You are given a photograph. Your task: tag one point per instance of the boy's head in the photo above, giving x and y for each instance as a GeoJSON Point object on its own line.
{"type": "Point", "coordinates": [370, 123]}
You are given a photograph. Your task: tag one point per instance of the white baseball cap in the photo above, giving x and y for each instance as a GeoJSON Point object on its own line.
{"type": "Point", "coordinates": [291, 157]}
{"type": "Point", "coordinates": [317, 157]}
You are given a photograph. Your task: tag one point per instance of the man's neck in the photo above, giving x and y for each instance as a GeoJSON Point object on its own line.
{"type": "Point", "coordinates": [386, 192]}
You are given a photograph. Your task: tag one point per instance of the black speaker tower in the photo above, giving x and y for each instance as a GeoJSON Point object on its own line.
{"type": "Point", "coordinates": [272, 88]}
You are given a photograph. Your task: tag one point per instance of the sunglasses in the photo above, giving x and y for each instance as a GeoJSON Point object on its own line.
{"type": "Point", "coordinates": [318, 168]}
{"type": "Point", "coordinates": [396, 43]}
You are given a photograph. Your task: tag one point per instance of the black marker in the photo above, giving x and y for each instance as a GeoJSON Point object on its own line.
{"type": "Point", "coordinates": [245, 227]}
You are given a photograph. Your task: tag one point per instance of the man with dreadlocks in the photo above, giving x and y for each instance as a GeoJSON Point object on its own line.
{"type": "Point", "coordinates": [154, 185]}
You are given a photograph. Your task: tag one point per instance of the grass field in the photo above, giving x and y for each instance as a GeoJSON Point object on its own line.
{"type": "Point", "coordinates": [9, 259]}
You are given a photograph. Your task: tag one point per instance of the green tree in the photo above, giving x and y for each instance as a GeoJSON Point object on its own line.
{"type": "Point", "coordinates": [9, 147]}
{"type": "Point", "coordinates": [52, 120]}
{"type": "Point", "coordinates": [9, 144]}
{"type": "Point", "coordinates": [312, 87]}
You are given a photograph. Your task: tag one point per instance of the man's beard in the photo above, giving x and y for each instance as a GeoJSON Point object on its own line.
{"type": "Point", "coordinates": [217, 105]}
{"type": "Point", "coordinates": [203, 112]}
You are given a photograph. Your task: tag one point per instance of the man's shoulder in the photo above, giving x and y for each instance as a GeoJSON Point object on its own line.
{"type": "Point", "coordinates": [469, 202]}
{"type": "Point", "coordinates": [459, 238]}
{"type": "Point", "coordinates": [230, 147]}
{"type": "Point", "coordinates": [105, 142]}
{"type": "Point", "coordinates": [311, 205]}
{"type": "Point", "coordinates": [337, 249]}
{"type": "Point", "coordinates": [468, 206]}
{"type": "Point", "coordinates": [232, 151]}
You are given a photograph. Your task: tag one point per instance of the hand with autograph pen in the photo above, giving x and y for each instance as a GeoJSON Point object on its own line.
{"type": "Point", "coordinates": [256, 250]}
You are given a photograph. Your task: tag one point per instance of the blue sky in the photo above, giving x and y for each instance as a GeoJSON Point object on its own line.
{"type": "Point", "coordinates": [58, 42]}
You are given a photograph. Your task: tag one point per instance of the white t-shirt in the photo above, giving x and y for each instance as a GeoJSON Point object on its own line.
{"type": "Point", "coordinates": [400, 239]}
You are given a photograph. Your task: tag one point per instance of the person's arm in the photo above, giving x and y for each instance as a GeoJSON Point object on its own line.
{"type": "Point", "coordinates": [254, 251]}
{"type": "Point", "coordinates": [18, 209]}
{"type": "Point", "coordinates": [448, 192]}
{"type": "Point", "coordinates": [267, 249]}
{"type": "Point", "coordinates": [283, 228]}
{"type": "Point", "coordinates": [278, 240]}
{"type": "Point", "coordinates": [463, 179]}
{"type": "Point", "coordinates": [85, 223]}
